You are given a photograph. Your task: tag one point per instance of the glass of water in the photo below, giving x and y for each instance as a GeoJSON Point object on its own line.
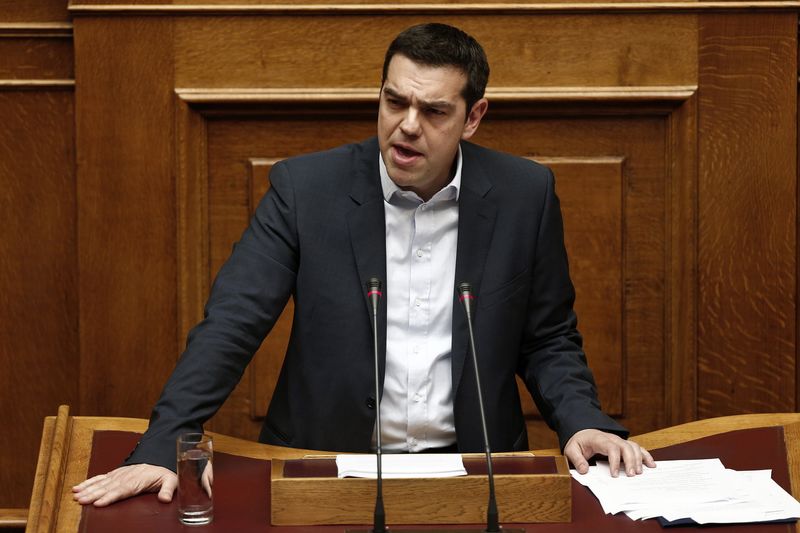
{"type": "Point", "coordinates": [195, 479]}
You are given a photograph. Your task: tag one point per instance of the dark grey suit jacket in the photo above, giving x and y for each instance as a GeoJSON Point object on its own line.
{"type": "Point", "coordinates": [318, 235]}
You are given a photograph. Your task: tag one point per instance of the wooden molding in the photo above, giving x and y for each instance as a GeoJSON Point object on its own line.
{"type": "Point", "coordinates": [45, 30]}
{"type": "Point", "coordinates": [50, 471]}
{"type": "Point", "coordinates": [364, 95]}
{"type": "Point", "coordinates": [680, 372]}
{"type": "Point", "coordinates": [13, 518]}
{"type": "Point", "coordinates": [77, 9]}
{"type": "Point", "coordinates": [17, 85]}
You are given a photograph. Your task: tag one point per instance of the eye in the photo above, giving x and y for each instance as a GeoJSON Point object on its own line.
{"type": "Point", "coordinates": [394, 102]}
{"type": "Point", "coordinates": [435, 111]}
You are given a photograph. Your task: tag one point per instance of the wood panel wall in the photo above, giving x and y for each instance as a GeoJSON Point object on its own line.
{"type": "Point", "coordinates": [136, 150]}
{"type": "Point", "coordinates": [38, 241]}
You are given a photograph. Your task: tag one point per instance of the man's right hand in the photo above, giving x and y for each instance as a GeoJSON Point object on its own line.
{"type": "Point", "coordinates": [124, 482]}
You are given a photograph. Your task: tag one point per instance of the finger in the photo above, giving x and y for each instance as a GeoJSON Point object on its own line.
{"type": "Point", "coordinates": [573, 453]}
{"type": "Point", "coordinates": [112, 495]}
{"type": "Point", "coordinates": [648, 459]}
{"type": "Point", "coordinates": [92, 493]}
{"type": "Point", "coordinates": [629, 458]}
{"type": "Point", "coordinates": [613, 460]}
{"type": "Point", "coordinates": [168, 486]}
{"type": "Point", "coordinates": [88, 483]}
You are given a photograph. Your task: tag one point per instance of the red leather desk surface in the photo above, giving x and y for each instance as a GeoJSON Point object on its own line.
{"type": "Point", "coordinates": [241, 490]}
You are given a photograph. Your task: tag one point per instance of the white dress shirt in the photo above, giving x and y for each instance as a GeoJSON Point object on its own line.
{"type": "Point", "coordinates": [421, 237]}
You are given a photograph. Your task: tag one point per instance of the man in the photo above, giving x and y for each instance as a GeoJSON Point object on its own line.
{"type": "Point", "coordinates": [424, 210]}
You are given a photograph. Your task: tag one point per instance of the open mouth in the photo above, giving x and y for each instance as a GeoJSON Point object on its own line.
{"type": "Point", "coordinates": [405, 155]}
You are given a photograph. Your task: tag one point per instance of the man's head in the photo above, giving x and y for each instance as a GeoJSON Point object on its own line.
{"type": "Point", "coordinates": [434, 77]}
{"type": "Point", "coordinates": [440, 45]}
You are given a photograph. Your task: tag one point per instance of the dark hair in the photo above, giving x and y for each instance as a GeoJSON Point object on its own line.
{"type": "Point", "coordinates": [439, 45]}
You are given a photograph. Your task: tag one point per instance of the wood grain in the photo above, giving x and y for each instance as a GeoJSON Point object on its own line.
{"type": "Point", "coordinates": [33, 11]}
{"type": "Point", "coordinates": [680, 370]}
{"type": "Point", "coordinates": [38, 276]}
{"type": "Point", "coordinates": [34, 56]}
{"type": "Point", "coordinates": [524, 51]}
{"type": "Point", "coordinates": [126, 213]}
{"type": "Point", "coordinates": [747, 214]}
{"type": "Point", "coordinates": [525, 498]}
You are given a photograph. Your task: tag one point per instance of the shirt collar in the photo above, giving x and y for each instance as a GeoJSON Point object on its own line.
{"type": "Point", "coordinates": [390, 188]}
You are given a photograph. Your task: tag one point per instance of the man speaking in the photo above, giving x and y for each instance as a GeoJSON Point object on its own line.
{"type": "Point", "coordinates": [424, 210]}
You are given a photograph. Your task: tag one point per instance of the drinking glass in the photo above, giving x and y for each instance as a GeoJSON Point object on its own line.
{"type": "Point", "coordinates": [195, 478]}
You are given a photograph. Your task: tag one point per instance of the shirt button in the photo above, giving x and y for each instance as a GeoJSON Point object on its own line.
{"type": "Point", "coordinates": [412, 442]}
{"type": "Point", "coordinates": [417, 302]}
{"type": "Point", "coordinates": [417, 398]}
{"type": "Point", "coordinates": [371, 402]}
{"type": "Point", "coordinates": [419, 253]}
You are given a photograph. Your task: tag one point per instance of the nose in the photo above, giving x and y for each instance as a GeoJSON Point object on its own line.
{"type": "Point", "coordinates": [410, 125]}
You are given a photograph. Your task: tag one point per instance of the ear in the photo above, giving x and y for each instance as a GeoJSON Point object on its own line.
{"type": "Point", "coordinates": [474, 118]}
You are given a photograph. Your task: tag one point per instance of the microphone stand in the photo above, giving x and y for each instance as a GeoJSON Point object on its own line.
{"type": "Point", "coordinates": [492, 518]}
{"type": "Point", "coordinates": [374, 294]}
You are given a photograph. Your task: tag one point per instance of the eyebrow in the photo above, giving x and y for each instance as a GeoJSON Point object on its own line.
{"type": "Point", "coordinates": [424, 103]}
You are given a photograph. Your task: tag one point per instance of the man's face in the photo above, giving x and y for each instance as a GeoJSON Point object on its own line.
{"type": "Point", "coordinates": [421, 119]}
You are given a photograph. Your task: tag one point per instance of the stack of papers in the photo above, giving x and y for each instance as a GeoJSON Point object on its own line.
{"type": "Point", "coordinates": [412, 465]}
{"type": "Point", "coordinates": [700, 490]}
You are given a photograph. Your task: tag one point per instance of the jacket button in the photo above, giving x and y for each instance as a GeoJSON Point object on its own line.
{"type": "Point", "coordinates": [371, 402]}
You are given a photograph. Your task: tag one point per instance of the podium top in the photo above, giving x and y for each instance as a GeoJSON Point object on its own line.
{"type": "Point", "coordinates": [242, 489]}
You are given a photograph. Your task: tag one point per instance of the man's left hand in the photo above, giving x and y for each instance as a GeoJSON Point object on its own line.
{"type": "Point", "coordinates": [589, 442]}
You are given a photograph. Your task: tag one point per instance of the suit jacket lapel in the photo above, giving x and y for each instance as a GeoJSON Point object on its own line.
{"type": "Point", "coordinates": [476, 217]}
{"type": "Point", "coordinates": [366, 223]}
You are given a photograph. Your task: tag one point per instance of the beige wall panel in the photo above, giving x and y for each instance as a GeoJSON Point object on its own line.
{"type": "Point", "coordinates": [524, 51]}
{"type": "Point", "coordinates": [748, 214]}
{"type": "Point", "coordinates": [38, 277]}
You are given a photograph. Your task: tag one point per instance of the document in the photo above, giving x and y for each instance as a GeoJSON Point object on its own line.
{"type": "Point", "coordinates": [405, 465]}
{"type": "Point", "coordinates": [700, 490]}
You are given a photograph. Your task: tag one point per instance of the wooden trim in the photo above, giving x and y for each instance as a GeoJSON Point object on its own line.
{"type": "Point", "coordinates": [297, 95]}
{"type": "Point", "coordinates": [44, 30]}
{"type": "Point", "coordinates": [429, 9]}
{"type": "Point", "coordinates": [681, 266]}
{"type": "Point", "coordinates": [50, 471]}
{"type": "Point", "coordinates": [21, 85]}
{"type": "Point", "coordinates": [192, 217]}
{"type": "Point", "coordinates": [13, 518]}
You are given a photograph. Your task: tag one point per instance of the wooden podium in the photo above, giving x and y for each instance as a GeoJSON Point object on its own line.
{"type": "Point", "coordinates": [67, 441]}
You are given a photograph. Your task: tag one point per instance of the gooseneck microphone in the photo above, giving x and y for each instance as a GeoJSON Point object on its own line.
{"type": "Point", "coordinates": [374, 296]}
{"type": "Point", "coordinates": [492, 519]}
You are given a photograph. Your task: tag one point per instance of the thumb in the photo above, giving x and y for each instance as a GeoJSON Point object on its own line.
{"type": "Point", "coordinates": [168, 485]}
{"type": "Point", "coordinates": [575, 456]}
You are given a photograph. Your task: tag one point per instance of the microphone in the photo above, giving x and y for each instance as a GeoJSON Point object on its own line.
{"type": "Point", "coordinates": [492, 518]}
{"type": "Point", "coordinates": [374, 296]}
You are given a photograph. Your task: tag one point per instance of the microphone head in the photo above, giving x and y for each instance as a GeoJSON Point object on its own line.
{"type": "Point", "coordinates": [465, 289]}
{"type": "Point", "coordinates": [374, 284]}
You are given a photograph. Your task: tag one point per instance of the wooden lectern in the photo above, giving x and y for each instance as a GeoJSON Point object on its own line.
{"type": "Point", "coordinates": [65, 458]}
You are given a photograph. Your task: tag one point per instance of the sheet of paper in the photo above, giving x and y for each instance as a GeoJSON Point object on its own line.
{"type": "Point", "coordinates": [397, 465]}
{"type": "Point", "coordinates": [702, 490]}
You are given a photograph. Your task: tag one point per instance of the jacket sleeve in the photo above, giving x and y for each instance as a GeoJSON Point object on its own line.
{"type": "Point", "coordinates": [247, 297]}
{"type": "Point", "coordinates": [552, 362]}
